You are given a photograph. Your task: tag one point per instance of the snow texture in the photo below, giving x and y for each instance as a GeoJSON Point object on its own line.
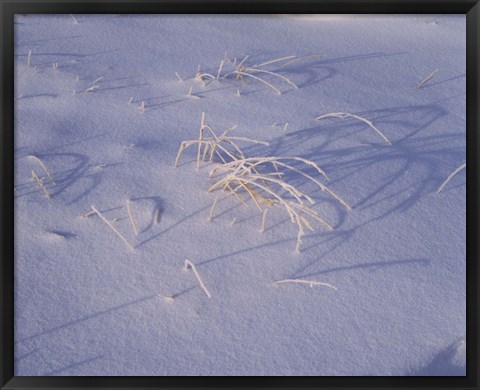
{"type": "Point", "coordinates": [100, 102]}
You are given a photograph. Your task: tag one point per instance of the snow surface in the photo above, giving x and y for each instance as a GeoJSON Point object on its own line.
{"type": "Point", "coordinates": [87, 305]}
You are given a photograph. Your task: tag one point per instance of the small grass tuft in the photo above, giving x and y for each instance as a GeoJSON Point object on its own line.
{"type": "Point", "coordinates": [42, 164]}
{"type": "Point", "coordinates": [41, 185]}
{"type": "Point", "coordinates": [260, 178]}
{"type": "Point", "coordinates": [241, 71]}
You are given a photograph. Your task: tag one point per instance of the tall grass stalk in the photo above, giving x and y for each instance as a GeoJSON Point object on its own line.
{"type": "Point", "coordinates": [344, 115]}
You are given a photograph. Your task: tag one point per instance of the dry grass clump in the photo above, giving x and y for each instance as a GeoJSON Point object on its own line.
{"type": "Point", "coordinates": [262, 179]}
{"type": "Point", "coordinates": [215, 145]}
{"type": "Point", "coordinates": [231, 69]}
{"type": "Point", "coordinates": [39, 180]}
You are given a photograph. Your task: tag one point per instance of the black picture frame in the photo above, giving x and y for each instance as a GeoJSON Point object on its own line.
{"type": "Point", "coordinates": [10, 7]}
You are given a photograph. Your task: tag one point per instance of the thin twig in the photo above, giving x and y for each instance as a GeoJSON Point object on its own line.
{"type": "Point", "coordinates": [212, 210]}
{"type": "Point", "coordinates": [188, 263]}
{"type": "Point", "coordinates": [344, 115]}
{"type": "Point", "coordinates": [50, 176]}
{"type": "Point", "coordinates": [451, 176]}
{"type": "Point", "coordinates": [299, 59]}
{"type": "Point", "coordinates": [264, 218]}
{"type": "Point", "coordinates": [92, 88]}
{"type": "Point", "coordinates": [179, 77]}
{"type": "Point", "coordinates": [222, 62]}
{"type": "Point", "coordinates": [40, 184]}
{"type": "Point", "coordinates": [302, 281]}
{"type": "Point", "coordinates": [191, 95]}
{"type": "Point", "coordinates": [130, 216]}
{"type": "Point", "coordinates": [86, 215]}
{"type": "Point", "coordinates": [259, 79]}
{"type": "Point", "coordinates": [426, 79]}
{"type": "Point", "coordinates": [273, 74]}
{"type": "Point", "coordinates": [273, 61]}
{"type": "Point", "coordinates": [299, 239]}
{"type": "Point", "coordinates": [112, 226]}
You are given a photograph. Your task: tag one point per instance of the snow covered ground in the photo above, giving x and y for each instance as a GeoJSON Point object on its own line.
{"type": "Point", "coordinates": [86, 304]}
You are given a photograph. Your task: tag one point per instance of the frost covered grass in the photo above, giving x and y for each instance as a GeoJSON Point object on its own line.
{"type": "Point", "coordinates": [90, 296]}
{"type": "Point", "coordinates": [188, 264]}
{"type": "Point", "coordinates": [40, 184]}
{"type": "Point", "coordinates": [131, 218]}
{"type": "Point", "coordinates": [264, 221]}
{"type": "Point", "coordinates": [427, 79]}
{"type": "Point", "coordinates": [179, 77]}
{"type": "Point", "coordinates": [29, 58]}
{"type": "Point", "coordinates": [310, 283]}
{"type": "Point", "coordinates": [91, 88]}
{"type": "Point", "coordinates": [42, 164]}
{"type": "Point", "coordinates": [215, 144]}
{"type": "Point", "coordinates": [113, 227]}
{"type": "Point", "coordinates": [460, 168]}
{"type": "Point", "coordinates": [260, 178]}
{"type": "Point", "coordinates": [344, 115]}
{"type": "Point", "coordinates": [258, 72]}
{"type": "Point", "coordinates": [74, 19]}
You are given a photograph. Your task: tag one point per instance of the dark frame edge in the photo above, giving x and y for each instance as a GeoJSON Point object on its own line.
{"type": "Point", "coordinates": [6, 199]}
{"type": "Point", "coordinates": [473, 180]}
{"type": "Point", "coordinates": [242, 7]}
